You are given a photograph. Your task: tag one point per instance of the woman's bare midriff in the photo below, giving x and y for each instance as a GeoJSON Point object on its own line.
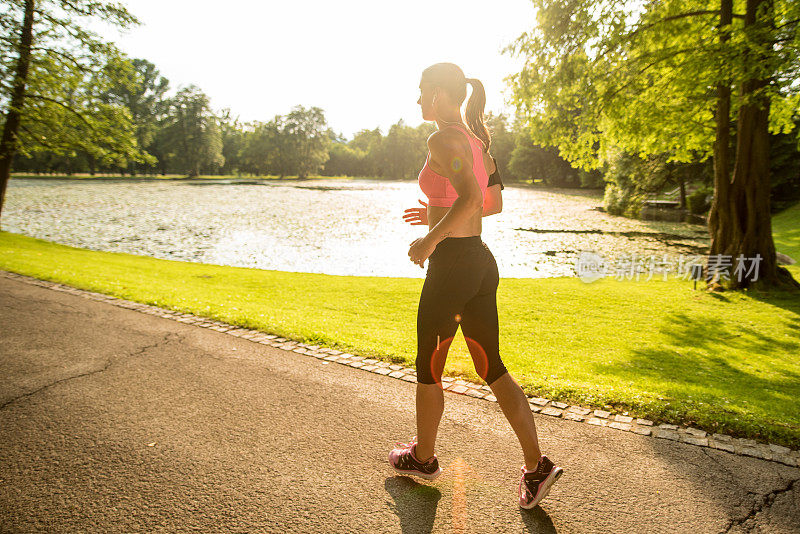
{"type": "Point", "coordinates": [473, 225]}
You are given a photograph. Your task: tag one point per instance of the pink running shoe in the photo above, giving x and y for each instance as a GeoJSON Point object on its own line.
{"type": "Point", "coordinates": [534, 485]}
{"type": "Point", "coordinates": [404, 460]}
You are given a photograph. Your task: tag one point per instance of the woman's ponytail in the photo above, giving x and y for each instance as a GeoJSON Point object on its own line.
{"type": "Point", "coordinates": [474, 113]}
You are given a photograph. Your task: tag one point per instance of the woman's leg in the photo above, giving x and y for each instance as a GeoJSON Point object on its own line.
{"type": "Point", "coordinates": [430, 407]}
{"type": "Point", "coordinates": [514, 403]}
{"type": "Point", "coordinates": [480, 326]}
{"type": "Point", "coordinates": [436, 327]}
{"type": "Point", "coordinates": [432, 321]}
{"type": "Point", "coordinates": [454, 276]}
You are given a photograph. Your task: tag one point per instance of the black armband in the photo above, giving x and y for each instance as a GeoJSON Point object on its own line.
{"type": "Point", "coordinates": [494, 178]}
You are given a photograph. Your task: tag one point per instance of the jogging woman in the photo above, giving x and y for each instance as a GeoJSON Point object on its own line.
{"type": "Point", "coordinates": [461, 281]}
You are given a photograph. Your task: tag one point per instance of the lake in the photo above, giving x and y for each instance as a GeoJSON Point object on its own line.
{"type": "Point", "coordinates": [333, 226]}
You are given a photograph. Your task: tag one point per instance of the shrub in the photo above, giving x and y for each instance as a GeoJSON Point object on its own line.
{"type": "Point", "coordinates": [700, 201]}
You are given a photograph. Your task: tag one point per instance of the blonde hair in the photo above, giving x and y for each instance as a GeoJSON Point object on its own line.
{"type": "Point", "coordinates": [451, 79]}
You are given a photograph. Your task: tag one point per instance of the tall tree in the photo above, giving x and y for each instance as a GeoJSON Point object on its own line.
{"type": "Point", "coordinates": [53, 71]}
{"type": "Point", "coordinates": [343, 160]}
{"type": "Point", "coordinates": [143, 95]}
{"type": "Point", "coordinates": [401, 152]}
{"type": "Point", "coordinates": [233, 138]}
{"type": "Point", "coordinates": [658, 78]}
{"type": "Point", "coordinates": [503, 142]}
{"type": "Point", "coordinates": [306, 132]}
{"type": "Point", "coordinates": [531, 161]}
{"type": "Point", "coordinates": [260, 151]}
{"type": "Point", "coordinates": [191, 132]}
{"type": "Point", "coordinates": [367, 142]}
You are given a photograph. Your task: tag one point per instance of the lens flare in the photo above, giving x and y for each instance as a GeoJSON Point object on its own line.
{"type": "Point", "coordinates": [439, 357]}
{"type": "Point", "coordinates": [456, 164]}
{"type": "Point", "coordinates": [476, 351]}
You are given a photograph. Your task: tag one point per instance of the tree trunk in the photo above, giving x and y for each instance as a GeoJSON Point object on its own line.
{"type": "Point", "coordinates": [682, 186]}
{"type": "Point", "coordinates": [742, 249]}
{"type": "Point", "coordinates": [719, 219]}
{"type": "Point", "coordinates": [8, 144]}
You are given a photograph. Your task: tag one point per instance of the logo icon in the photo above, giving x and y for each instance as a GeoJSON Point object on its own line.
{"type": "Point", "coordinates": [590, 266]}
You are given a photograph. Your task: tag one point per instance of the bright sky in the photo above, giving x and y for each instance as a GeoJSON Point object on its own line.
{"type": "Point", "coordinates": [358, 60]}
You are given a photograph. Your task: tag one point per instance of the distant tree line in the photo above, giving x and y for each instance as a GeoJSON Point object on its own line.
{"type": "Point", "coordinates": [73, 103]}
{"type": "Point", "coordinates": [182, 134]}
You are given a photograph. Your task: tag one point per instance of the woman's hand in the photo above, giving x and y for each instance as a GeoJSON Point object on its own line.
{"type": "Point", "coordinates": [417, 215]}
{"type": "Point", "coordinates": [420, 249]}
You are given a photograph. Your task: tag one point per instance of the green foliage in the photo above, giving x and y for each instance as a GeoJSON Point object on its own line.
{"type": "Point", "coordinates": [534, 162]}
{"type": "Point", "coordinates": [305, 141]}
{"type": "Point", "coordinates": [601, 76]}
{"type": "Point", "coordinates": [700, 200]}
{"type": "Point", "coordinates": [260, 144]}
{"type": "Point", "coordinates": [190, 134]}
{"type": "Point", "coordinates": [401, 153]}
{"type": "Point", "coordinates": [366, 142]}
{"type": "Point", "coordinates": [623, 193]}
{"type": "Point", "coordinates": [65, 111]}
{"type": "Point", "coordinates": [504, 139]}
{"type": "Point", "coordinates": [233, 141]}
{"type": "Point", "coordinates": [294, 144]}
{"type": "Point", "coordinates": [785, 169]}
{"type": "Point", "coordinates": [592, 179]}
{"type": "Point", "coordinates": [143, 95]}
{"type": "Point", "coordinates": [344, 160]}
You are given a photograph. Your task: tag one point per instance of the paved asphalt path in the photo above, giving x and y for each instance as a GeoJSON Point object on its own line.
{"type": "Point", "coordinates": [117, 421]}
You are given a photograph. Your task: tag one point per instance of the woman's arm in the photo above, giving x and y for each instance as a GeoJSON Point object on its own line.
{"type": "Point", "coordinates": [493, 202]}
{"type": "Point", "coordinates": [463, 180]}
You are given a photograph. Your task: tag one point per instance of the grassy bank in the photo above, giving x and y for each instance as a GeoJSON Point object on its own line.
{"type": "Point", "coordinates": [786, 232]}
{"type": "Point", "coordinates": [722, 362]}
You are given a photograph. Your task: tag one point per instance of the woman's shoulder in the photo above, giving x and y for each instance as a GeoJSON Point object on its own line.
{"type": "Point", "coordinates": [445, 135]}
{"type": "Point", "coordinates": [446, 142]}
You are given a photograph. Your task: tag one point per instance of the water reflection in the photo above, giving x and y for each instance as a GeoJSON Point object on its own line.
{"type": "Point", "coordinates": [342, 227]}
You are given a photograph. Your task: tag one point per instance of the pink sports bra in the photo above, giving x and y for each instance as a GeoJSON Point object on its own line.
{"type": "Point", "coordinates": [438, 188]}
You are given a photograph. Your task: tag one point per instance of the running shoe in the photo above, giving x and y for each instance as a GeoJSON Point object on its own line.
{"type": "Point", "coordinates": [534, 485]}
{"type": "Point", "coordinates": [404, 460]}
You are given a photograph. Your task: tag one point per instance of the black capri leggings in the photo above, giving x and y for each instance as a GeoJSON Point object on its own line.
{"type": "Point", "coordinates": [460, 288]}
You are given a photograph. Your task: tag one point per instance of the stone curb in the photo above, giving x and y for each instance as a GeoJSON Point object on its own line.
{"type": "Point", "coordinates": [541, 405]}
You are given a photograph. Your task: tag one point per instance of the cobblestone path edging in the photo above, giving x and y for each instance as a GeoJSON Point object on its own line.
{"type": "Point", "coordinates": [621, 422]}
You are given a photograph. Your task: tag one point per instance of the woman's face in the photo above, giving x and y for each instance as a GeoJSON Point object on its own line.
{"type": "Point", "coordinates": [425, 100]}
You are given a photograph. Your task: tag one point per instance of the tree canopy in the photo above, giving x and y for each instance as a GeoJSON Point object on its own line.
{"type": "Point", "coordinates": [669, 79]}
{"type": "Point", "coordinates": [603, 75]}
{"type": "Point", "coordinates": [70, 72]}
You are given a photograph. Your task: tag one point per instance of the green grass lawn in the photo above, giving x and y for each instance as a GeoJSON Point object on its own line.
{"type": "Point", "coordinates": [786, 232]}
{"type": "Point", "coordinates": [724, 362]}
